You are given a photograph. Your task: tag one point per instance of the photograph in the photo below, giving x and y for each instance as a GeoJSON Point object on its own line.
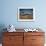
{"type": "Point", "coordinates": [26, 14]}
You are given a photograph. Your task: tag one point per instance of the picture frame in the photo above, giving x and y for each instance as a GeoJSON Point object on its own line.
{"type": "Point", "coordinates": [26, 14]}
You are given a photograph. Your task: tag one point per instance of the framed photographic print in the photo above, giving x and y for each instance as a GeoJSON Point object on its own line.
{"type": "Point", "coordinates": [26, 14]}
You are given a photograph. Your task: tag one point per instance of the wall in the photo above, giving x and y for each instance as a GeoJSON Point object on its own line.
{"type": "Point", "coordinates": [9, 13]}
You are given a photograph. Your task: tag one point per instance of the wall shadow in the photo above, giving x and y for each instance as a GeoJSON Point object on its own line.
{"type": "Point", "coordinates": [2, 26]}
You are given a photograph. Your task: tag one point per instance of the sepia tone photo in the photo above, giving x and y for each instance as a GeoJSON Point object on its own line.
{"type": "Point", "coordinates": [26, 13]}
